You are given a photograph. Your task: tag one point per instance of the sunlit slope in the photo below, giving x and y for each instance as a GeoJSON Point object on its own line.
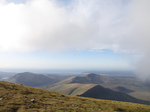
{"type": "Point", "coordinates": [72, 89]}
{"type": "Point", "coordinates": [19, 98]}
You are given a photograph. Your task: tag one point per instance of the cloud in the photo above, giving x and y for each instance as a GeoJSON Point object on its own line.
{"type": "Point", "coordinates": [140, 19]}
{"type": "Point", "coordinates": [29, 26]}
{"type": "Point", "coordinates": [120, 25]}
{"type": "Point", "coordinates": [49, 25]}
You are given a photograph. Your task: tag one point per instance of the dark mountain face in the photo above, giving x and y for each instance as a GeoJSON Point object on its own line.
{"type": "Point", "coordinates": [33, 80]}
{"type": "Point", "coordinates": [99, 92]}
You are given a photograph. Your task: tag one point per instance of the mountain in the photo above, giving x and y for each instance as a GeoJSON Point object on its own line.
{"type": "Point", "coordinates": [125, 84]}
{"type": "Point", "coordinates": [82, 83]}
{"type": "Point", "coordinates": [33, 80]}
{"type": "Point", "coordinates": [100, 92]}
{"type": "Point", "coordinates": [86, 79]}
{"type": "Point", "coordinates": [92, 78]}
{"type": "Point", "coordinates": [20, 98]}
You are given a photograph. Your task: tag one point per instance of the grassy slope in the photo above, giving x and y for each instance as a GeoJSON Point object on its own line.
{"type": "Point", "coordinates": [72, 89]}
{"type": "Point", "coordinates": [19, 98]}
{"type": "Point", "coordinates": [65, 87]}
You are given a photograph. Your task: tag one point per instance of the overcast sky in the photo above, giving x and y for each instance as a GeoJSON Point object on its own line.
{"type": "Point", "coordinates": [75, 34]}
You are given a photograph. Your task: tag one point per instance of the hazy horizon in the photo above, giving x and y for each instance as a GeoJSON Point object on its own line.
{"type": "Point", "coordinates": [72, 71]}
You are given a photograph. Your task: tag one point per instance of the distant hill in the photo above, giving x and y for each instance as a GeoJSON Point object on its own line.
{"type": "Point", "coordinates": [92, 78]}
{"type": "Point", "coordinates": [87, 79]}
{"type": "Point", "coordinates": [82, 81]}
{"type": "Point", "coordinates": [128, 85]}
{"type": "Point", "coordinates": [33, 80]}
{"type": "Point", "coordinates": [20, 98]}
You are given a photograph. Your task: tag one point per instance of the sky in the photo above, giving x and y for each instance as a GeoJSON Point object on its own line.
{"type": "Point", "coordinates": [75, 34]}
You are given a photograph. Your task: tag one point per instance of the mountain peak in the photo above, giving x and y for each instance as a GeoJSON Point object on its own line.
{"type": "Point", "coordinates": [91, 75]}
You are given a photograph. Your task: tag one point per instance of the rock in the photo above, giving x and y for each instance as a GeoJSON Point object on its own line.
{"type": "Point", "coordinates": [74, 105]}
{"type": "Point", "coordinates": [32, 100]}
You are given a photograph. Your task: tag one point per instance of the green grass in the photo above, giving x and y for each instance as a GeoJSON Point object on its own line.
{"type": "Point", "coordinates": [71, 89]}
{"type": "Point", "coordinates": [19, 98]}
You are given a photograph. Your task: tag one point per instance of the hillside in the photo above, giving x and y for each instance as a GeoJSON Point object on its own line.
{"type": "Point", "coordinates": [71, 89]}
{"type": "Point", "coordinates": [32, 79]}
{"type": "Point", "coordinates": [19, 98]}
{"type": "Point", "coordinates": [127, 85]}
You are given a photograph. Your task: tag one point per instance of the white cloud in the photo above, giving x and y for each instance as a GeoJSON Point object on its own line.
{"type": "Point", "coordinates": [44, 24]}
{"type": "Point", "coordinates": [140, 19]}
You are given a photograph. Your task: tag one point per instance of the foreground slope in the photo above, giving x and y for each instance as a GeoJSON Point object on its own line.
{"type": "Point", "coordinates": [19, 98]}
